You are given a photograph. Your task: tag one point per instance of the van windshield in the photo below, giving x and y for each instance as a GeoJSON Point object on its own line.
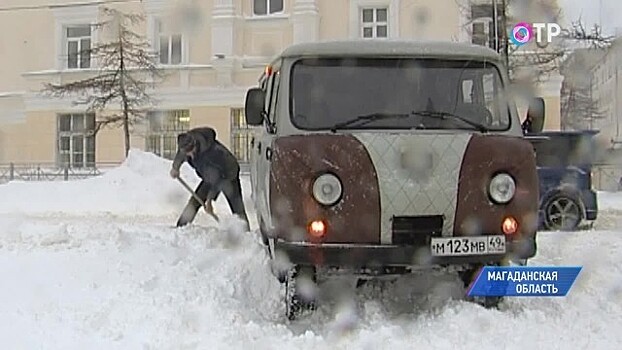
{"type": "Point", "coordinates": [402, 93]}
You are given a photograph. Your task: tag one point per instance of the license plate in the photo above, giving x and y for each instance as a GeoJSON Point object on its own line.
{"type": "Point", "coordinates": [474, 245]}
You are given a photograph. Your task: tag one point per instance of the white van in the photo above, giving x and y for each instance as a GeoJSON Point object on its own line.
{"type": "Point", "coordinates": [385, 156]}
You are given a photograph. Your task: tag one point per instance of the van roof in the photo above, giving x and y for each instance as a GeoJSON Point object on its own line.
{"type": "Point", "coordinates": [391, 47]}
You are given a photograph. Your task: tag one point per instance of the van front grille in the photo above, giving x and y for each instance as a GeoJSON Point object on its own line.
{"type": "Point", "coordinates": [416, 230]}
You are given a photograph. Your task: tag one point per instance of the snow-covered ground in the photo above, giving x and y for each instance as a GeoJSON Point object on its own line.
{"type": "Point", "coordinates": [96, 264]}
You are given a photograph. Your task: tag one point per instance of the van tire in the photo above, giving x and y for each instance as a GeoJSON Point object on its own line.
{"type": "Point", "coordinates": [468, 276]}
{"type": "Point", "coordinates": [296, 303]}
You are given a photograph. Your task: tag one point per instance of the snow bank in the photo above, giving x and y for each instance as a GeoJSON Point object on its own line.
{"type": "Point", "coordinates": [139, 186]}
{"type": "Point", "coordinates": [138, 284]}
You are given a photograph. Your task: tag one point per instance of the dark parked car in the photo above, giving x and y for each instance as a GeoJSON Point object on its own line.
{"type": "Point", "coordinates": [564, 160]}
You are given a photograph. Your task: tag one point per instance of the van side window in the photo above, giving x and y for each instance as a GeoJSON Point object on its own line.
{"type": "Point", "coordinates": [266, 87]}
{"type": "Point", "coordinates": [274, 95]}
{"type": "Point", "coordinates": [491, 89]}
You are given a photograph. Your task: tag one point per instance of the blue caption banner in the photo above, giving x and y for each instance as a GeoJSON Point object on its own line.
{"type": "Point", "coordinates": [524, 281]}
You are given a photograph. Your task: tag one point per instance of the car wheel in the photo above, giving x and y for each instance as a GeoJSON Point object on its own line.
{"type": "Point", "coordinates": [299, 299]}
{"type": "Point", "coordinates": [562, 213]}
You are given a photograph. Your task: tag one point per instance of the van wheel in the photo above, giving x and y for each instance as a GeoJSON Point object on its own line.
{"type": "Point", "coordinates": [299, 293]}
{"type": "Point", "coordinates": [562, 213]}
{"type": "Point", "coordinates": [487, 302]}
{"type": "Point", "coordinates": [468, 277]}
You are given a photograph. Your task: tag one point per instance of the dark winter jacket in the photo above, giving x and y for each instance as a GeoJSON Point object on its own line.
{"type": "Point", "coordinates": [212, 161]}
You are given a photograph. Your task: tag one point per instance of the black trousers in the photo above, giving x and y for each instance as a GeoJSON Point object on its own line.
{"type": "Point", "coordinates": [232, 189]}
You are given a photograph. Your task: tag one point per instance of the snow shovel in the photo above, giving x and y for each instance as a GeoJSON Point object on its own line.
{"type": "Point", "coordinates": [206, 206]}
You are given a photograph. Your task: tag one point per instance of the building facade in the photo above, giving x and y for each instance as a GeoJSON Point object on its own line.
{"type": "Point", "coordinates": [212, 51]}
{"type": "Point", "coordinates": [592, 91]}
{"type": "Point", "coordinates": [606, 83]}
{"type": "Point", "coordinates": [591, 94]}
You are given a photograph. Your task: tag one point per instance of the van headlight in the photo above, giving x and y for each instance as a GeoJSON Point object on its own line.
{"type": "Point", "coordinates": [327, 189]}
{"type": "Point", "coordinates": [502, 188]}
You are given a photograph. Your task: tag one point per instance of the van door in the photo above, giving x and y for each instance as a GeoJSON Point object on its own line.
{"type": "Point", "coordinates": [252, 158]}
{"type": "Point", "coordinates": [263, 148]}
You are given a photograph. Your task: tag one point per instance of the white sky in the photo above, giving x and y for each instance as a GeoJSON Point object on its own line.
{"type": "Point", "coordinates": [590, 12]}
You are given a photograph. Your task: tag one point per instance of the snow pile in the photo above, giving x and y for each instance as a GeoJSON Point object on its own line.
{"type": "Point", "coordinates": [140, 186]}
{"type": "Point", "coordinates": [98, 284]}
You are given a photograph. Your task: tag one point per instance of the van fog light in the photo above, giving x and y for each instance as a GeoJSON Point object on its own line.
{"type": "Point", "coordinates": [327, 189]}
{"type": "Point", "coordinates": [317, 228]}
{"type": "Point", "coordinates": [509, 226]}
{"type": "Point", "coordinates": [502, 188]}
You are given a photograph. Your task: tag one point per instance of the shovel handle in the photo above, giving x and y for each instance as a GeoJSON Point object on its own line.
{"type": "Point", "coordinates": [196, 197]}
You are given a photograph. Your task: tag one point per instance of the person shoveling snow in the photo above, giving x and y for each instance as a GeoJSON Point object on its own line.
{"type": "Point", "coordinates": [218, 169]}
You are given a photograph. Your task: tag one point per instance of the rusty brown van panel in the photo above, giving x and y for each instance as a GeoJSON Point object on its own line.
{"type": "Point", "coordinates": [296, 161]}
{"type": "Point", "coordinates": [484, 157]}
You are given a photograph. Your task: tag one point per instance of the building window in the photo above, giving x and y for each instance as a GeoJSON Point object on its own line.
{"type": "Point", "coordinates": [169, 45]}
{"type": "Point", "coordinates": [267, 7]}
{"type": "Point", "coordinates": [480, 34]}
{"type": "Point", "coordinates": [240, 136]}
{"type": "Point", "coordinates": [76, 140]}
{"type": "Point", "coordinates": [78, 46]}
{"type": "Point", "coordinates": [483, 25]}
{"type": "Point", "coordinates": [374, 22]}
{"type": "Point", "coordinates": [163, 128]}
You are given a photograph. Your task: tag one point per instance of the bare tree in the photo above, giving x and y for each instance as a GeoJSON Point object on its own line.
{"type": "Point", "coordinates": [127, 69]}
{"type": "Point", "coordinates": [533, 63]}
{"type": "Point", "coordinates": [579, 109]}
{"type": "Point", "coordinates": [543, 61]}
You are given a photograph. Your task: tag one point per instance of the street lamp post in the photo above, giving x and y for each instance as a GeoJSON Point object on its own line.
{"type": "Point", "coordinates": [504, 25]}
{"type": "Point", "coordinates": [495, 15]}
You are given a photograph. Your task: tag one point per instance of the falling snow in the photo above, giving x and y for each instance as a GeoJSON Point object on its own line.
{"type": "Point", "coordinates": [104, 269]}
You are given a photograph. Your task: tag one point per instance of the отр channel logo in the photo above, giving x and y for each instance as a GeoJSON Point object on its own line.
{"type": "Point", "coordinates": [521, 34]}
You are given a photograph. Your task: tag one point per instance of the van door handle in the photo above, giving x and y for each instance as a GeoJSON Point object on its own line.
{"type": "Point", "coordinates": [268, 153]}
{"type": "Point", "coordinates": [259, 148]}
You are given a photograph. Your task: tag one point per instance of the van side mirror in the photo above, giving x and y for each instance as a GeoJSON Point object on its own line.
{"type": "Point", "coordinates": [254, 106]}
{"type": "Point", "coordinates": [534, 123]}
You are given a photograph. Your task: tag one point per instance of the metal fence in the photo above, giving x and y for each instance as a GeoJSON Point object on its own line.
{"type": "Point", "coordinates": [54, 172]}
{"type": "Point", "coordinates": [50, 171]}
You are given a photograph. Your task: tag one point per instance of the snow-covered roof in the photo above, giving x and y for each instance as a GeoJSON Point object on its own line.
{"type": "Point", "coordinates": [395, 47]}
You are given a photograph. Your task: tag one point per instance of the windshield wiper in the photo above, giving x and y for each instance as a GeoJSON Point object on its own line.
{"type": "Point", "coordinates": [445, 115]}
{"type": "Point", "coordinates": [367, 118]}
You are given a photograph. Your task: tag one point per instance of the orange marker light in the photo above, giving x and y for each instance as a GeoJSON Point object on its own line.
{"type": "Point", "coordinates": [509, 226]}
{"type": "Point", "coordinates": [317, 228]}
{"type": "Point", "coordinates": [268, 70]}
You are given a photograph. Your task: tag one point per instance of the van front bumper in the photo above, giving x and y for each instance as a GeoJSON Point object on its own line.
{"type": "Point", "coordinates": [374, 256]}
